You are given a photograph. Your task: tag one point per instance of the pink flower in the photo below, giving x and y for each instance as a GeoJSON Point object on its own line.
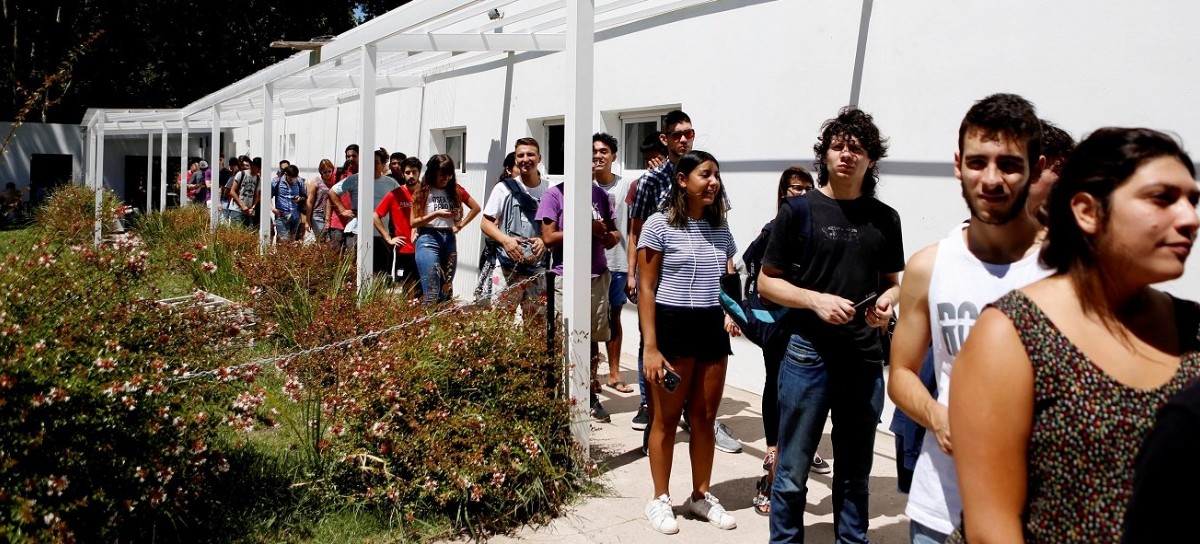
{"type": "Point", "coordinates": [189, 256]}
{"type": "Point", "coordinates": [208, 266]}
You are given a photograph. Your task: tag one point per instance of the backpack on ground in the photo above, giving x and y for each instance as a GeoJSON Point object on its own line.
{"type": "Point", "coordinates": [758, 318]}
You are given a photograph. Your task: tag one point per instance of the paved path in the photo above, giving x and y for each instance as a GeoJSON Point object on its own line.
{"type": "Point", "coordinates": [615, 514]}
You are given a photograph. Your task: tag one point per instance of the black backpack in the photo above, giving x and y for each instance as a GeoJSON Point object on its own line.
{"type": "Point", "coordinates": [759, 319]}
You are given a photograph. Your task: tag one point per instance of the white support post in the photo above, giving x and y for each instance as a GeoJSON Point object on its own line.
{"type": "Point", "coordinates": [98, 228]}
{"type": "Point", "coordinates": [214, 167]}
{"type": "Point", "coordinates": [268, 167]}
{"type": "Point", "coordinates": [366, 168]}
{"type": "Point", "coordinates": [183, 164]}
{"type": "Point", "coordinates": [149, 182]}
{"type": "Point", "coordinates": [578, 214]}
{"type": "Point", "coordinates": [162, 172]}
{"type": "Point", "coordinates": [89, 176]}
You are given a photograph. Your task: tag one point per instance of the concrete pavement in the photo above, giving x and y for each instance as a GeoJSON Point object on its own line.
{"type": "Point", "coordinates": [616, 513]}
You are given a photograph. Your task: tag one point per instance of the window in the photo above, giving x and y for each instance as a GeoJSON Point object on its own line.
{"type": "Point", "coordinates": [555, 148]}
{"type": "Point", "coordinates": [635, 129]}
{"type": "Point", "coordinates": [455, 144]}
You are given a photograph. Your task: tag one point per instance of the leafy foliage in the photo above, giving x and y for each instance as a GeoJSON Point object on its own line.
{"type": "Point", "coordinates": [188, 48]}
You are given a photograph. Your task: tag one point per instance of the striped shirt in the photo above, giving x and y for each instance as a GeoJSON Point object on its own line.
{"type": "Point", "coordinates": [693, 260]}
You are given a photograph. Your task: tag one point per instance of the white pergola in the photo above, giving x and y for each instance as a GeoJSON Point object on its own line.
{"type": "Point", "coordinates": [399, 50]}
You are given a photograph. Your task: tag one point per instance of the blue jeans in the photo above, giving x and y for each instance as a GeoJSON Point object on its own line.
{"type": "Point", "coordinates": [437, 257]}
{"type": "Point", "coordinates": [810, 388]}
{"type": "Point", "coordinates": [286, 227]}
{"type": "Point", "coordinates": [920, 534]}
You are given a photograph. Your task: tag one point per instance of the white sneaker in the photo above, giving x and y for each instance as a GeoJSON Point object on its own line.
{"type": "Point", "coordinates": [661, 517]}
{"type": "Point", "coordinates": [710, 508]}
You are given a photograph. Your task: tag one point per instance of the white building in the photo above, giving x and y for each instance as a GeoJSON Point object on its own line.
{"type": "Point", "coordinates": [757, 77]}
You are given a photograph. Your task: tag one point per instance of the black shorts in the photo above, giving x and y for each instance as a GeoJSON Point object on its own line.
{"type": "Point", "coordinates": [691, 332]}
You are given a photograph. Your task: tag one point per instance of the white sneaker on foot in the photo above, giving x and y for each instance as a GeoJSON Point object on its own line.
{"type": "Point", "coordinates": [710, 508]}
{"type": "Point", "coordinates": [661, 517]}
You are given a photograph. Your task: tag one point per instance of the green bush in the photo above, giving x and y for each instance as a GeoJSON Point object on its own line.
{"type": "Point", "coordinates": [97, 435]}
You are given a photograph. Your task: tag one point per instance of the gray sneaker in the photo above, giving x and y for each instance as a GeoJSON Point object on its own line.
{"type": "Point", "coordinates": [598, 412]}
{"type": "Point", "coordinates": [725, 440]}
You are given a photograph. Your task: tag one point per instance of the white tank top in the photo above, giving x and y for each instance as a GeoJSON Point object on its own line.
{"type": "Point", "coordinates": [960, 286]}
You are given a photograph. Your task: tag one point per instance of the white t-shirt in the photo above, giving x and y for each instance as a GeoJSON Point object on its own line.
{"type": "Point", "coordinates": [438, 200]}
{"type": "Point", "coordinates": [618, 256]}
{"type": "Point", "coordinates": [500, 192]}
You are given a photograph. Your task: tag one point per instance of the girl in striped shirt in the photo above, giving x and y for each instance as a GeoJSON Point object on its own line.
{"type": "Point", "coordinates": [681, 255]}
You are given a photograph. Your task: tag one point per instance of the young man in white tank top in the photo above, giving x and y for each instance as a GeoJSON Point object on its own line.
{"type": "Point", "coordinates": [947, 284]}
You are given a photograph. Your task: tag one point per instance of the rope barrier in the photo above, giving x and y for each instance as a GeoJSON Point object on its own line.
{"type": "Point", "coordinates": [351, 341]}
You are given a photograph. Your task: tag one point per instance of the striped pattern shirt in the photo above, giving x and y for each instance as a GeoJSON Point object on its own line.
{"type": "Point", "coordinates": [693, 260]}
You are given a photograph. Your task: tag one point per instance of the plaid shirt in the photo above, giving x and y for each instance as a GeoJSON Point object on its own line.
{"type": "Point", "coordinates": [652, 190]}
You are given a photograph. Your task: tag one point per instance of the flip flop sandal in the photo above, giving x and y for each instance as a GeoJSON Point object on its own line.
{"type": "Point", "coordinates": [621, 386]}
{"type": "Point", "coordinates": [762, 499]}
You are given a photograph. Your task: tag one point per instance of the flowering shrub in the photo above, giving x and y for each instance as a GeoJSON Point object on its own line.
{"type": "Point", "coordinates": [460, 417]}
{"type": "Point", "coordinates": [69, 215]}
{"type": "Point", "coordinates": [98, 439]}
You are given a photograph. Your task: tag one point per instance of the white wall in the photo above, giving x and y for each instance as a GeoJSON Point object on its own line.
{"type": "Point", "coordinates": [758, 77]}
{"type": "Point", "coordinates": [38, 138]}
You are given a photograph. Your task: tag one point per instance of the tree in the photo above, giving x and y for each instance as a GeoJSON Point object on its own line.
{"type": "Point", "coordinates": [149, 53]}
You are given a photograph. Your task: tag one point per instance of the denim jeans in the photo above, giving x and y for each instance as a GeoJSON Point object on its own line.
{"type": "Point", "coordinates": [920, 534]}
{"type": "Point", "coordinates": [810, 388]}
{"type": "Point", "coordinates": [436, 260]}
{"type": "Point", "coordinates": [286, 227]}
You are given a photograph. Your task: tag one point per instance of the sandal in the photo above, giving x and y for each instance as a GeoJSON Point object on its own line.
{"type": "Point", "coordinates": [762, 499]}
{"type": "Point", "coordinates": [621, 386]}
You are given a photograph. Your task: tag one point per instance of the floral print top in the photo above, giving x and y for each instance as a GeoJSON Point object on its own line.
{"type": "Point", "coordinates": [1087, 427]}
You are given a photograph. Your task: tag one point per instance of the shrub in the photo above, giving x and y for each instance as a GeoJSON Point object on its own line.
{"type": "Point", "coordinates": [69, 215]}
{"type": "Point", "coordinates": [97, 438]}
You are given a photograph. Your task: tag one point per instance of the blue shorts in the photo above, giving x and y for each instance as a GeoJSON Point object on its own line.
{"type": "Point", "coordinates": [616, 291]}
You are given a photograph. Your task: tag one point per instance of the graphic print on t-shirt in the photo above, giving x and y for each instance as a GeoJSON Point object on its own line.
{"type": "Point", "coordinates": [956, 322]}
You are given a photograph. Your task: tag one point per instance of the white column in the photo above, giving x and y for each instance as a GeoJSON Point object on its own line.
{"type": "Point", "coordinates": [183, 164]}
{"type": "Point", "coordinates": [366, 167]}
{"type": "Point", "coordinates": [98, 228]}
{"type": "Point", "coordinates": [162, 172]}
{"type": "Point", "coordinates": [89, 177]}
{"type": "Point", "coordinates": [149, 173]}
{"type": "Point", "coordinates": [215, 167]}
{"type": "Point", "coordinates": [578, 212]}
{"type": "Point", "coordinates": [268, 168]}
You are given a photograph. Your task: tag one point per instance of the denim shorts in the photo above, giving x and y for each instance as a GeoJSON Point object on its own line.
{"type": "Point", "coordinates": [616, 290]}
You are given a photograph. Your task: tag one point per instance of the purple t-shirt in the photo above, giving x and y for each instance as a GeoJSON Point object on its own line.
{"type": "Point", "coordinates": [551, 207]}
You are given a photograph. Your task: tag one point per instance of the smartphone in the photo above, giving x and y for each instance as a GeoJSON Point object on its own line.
{"type": "Point", "coordinates": [866, 302]}
{"type": "Point", "coordinates": [670, 381]}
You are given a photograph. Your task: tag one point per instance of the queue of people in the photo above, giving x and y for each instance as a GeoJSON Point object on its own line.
{"type": "Point", "coordinates": [1047, 352]}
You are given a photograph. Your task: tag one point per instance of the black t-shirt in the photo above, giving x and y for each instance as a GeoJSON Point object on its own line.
{"type": "Point", "coordinates": [852, 243]}
{"type": "Point", "coordinates": [1164, 501]}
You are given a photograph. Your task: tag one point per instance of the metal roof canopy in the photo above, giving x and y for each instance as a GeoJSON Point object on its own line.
{"type": "Point", "coordinates": [398, 50]}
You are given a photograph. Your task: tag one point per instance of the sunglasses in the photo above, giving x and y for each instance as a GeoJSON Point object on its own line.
{"type": "Point", "coordinates": [681, 133]}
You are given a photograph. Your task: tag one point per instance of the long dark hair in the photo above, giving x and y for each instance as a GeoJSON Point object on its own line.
{"type": "Point", "coordinates": [676, 204]}
{"type": "Point", "coordinates": [437, 164]}
{"type": "Point", "coordinates": [1101, 163]}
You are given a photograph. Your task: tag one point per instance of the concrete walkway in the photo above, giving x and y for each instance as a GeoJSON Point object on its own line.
{"type": "Point", "coordinates": [616, 514]}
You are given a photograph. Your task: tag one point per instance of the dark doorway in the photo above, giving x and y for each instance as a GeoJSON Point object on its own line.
{"type": "Point", "coordinates": [47, 172]}
{"type": "Point", "coordinates": [135, 181]}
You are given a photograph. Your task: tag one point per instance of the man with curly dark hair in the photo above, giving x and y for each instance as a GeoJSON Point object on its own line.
{"type": "Point", "coordinates": [835, 256]}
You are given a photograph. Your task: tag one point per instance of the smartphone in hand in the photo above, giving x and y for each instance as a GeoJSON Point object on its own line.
{"type": "Point", "coordinates": [867, 302]}
{"type": "Point", "coordinates": [670, 380]}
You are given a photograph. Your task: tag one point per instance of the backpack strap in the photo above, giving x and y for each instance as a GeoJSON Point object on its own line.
{"type": "Point", "coordinates": [528, 205]}
{"type": "Point", "coordinates": [802, 225]}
